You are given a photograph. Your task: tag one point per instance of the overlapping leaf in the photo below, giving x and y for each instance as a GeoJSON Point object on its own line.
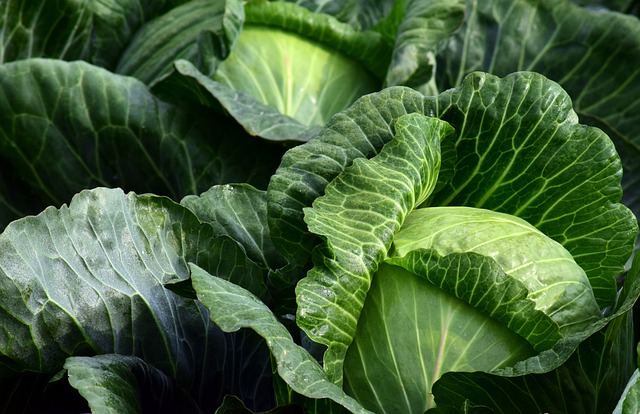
{"type": "Point", "coordinates": [590, 380]}
{"type": "Point", "coordinates": [358, 215]}
{"type": "Point", "coordinates": [176, 35]}
{"type": "Point", "coordinates": [592, 54]}
{"type": "Point", "coordinates": [233, 308]}
{"type": "Point", "coordinates": [71, 29]}
{"type": "Point", "coordinates": [69, 126]}
{"type": "Point", "coordinates": [520, 150]}
{"type": "Point", "coordinates": [89, 279]}
{"type": "Point", "coordinates": [125, 384]}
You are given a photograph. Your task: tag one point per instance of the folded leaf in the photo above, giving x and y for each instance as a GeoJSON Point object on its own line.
{"type": "Point", "coordinates": [233, 308]}
{"type": "Point", "coordinates": [358, 216]}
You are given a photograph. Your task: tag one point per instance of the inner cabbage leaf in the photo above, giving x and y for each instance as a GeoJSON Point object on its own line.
{"type": "Point", "coordinates": [299, 77]}
{"type": "Point", "coordinates": [557, 285]}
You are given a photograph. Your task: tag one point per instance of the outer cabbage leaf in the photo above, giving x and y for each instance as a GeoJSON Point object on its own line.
{"type": "Point", "coordinates": [233, 308]}
{"type": "Point", "coordinates": [240, 212]}
{"type": "Point", "coordinates": [73, 29]}
{"type": "Point", "coordinates": [630, 401]}
{"type": "Point", "coordinates": [200, 31]}
{"type": "Point", "coordinates": [360, 14]}
{"type": "Point", "coordinates": [123, 384]}
{"type": "Point", "coordinates": [89, 279]}
{"type": "Point", "coordinates": [69, 126]}
{"type": "Point", "coordinates": [422, 29]}
{"type": "Point", "coordinates": [592, 54]}
{"type": "Point", "coordinates": [519, 150]}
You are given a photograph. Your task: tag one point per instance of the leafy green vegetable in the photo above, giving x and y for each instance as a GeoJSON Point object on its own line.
{"type": "Point", "coordinates": [456, 242]}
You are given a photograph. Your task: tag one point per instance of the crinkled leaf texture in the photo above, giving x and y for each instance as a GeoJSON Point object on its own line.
{"type": "Point", "coordinates": [358, 216]}
{"type": "Point", "coordinates": [288, 71]}
{"type": "Point", "coordinates": [520, 150]}
{"type": "Point", "coordinates": [591, 379]}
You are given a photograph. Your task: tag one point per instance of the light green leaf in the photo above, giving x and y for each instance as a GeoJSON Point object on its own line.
{"type": "Point", "coordinates": [410, 332]}
{"type": "Point", "coordinates": [591, 380]}
{"type": "Point", "coordinates": [629, 403]}
{"type": "Point", "coordinates": [175, 35]}
{"type": "Point", "coordinates": [358, 216]}
{"type": "Point", "coordinates": [301, 78]}
{"type": "Point", "coordinates": [186, 82]}
{"type": "Point", "coordinates": [305, 171]}
{"type": "Point", "coordinates": [591, 53]}
{"type": "Point", "coordinates": [69, 126]}
{"type": "Point", "coordinates": [547, 271]}
{"type": "Point", "coordinates": [233, 308]}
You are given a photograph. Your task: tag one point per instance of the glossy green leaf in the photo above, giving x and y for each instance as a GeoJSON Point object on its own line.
{"type": "Point", "coordinates": [360, 14]}
{"type": "Point", "coordinates": [89, 279]}
{"type": "Point", "coordinates": [421, 32]}
{"type": "Point", "coordinates": [301, 78]}
{"type": "Point", "coordinates": [410, 332]}
{"type": "Point", "coordinates": [367, 47]}
{"type": "Point", "coordinates": [69, 126]}
{"type": "Point", "coordinates": [238, 211]}
{"type": "Point", "coordinates": [592, 54]}
{"type": "Point", "coordinates": [233, 308]}
{"type": "Point", "coordinates": [358, 216]}
{"type": "Point", "coordinates": [630, 401]}
{"type": "Point", "coordinates": [186, 82]}
{"type": "Point", "coordinates": [591, 380]}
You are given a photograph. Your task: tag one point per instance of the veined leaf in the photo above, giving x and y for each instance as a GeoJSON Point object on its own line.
{"type": "Point", "coordinates": [598, 363]}
{"type": "Point", "coordinates": [73, 29]}
{"type": "Point", "coordinates": [410, 332]}
{"type": "Point", "coordinates": [519, 150]}
{"type": "Point", "coordinates": [358, 216]}
{"type": "Point", "coordinates": [175, 35]}
{"type": "Point", "coordinates": [69, 126]}
{"type": "Point", "coordinates": [422, 31]}
{"type": "Point", "coordinates": [591, 53]}
{"type": "Point", "coordinates": [545, 272]}
{"type": "Point", "coordinates": [114, 383]}
{"type": "Point", "coordinates": [89, 279]}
